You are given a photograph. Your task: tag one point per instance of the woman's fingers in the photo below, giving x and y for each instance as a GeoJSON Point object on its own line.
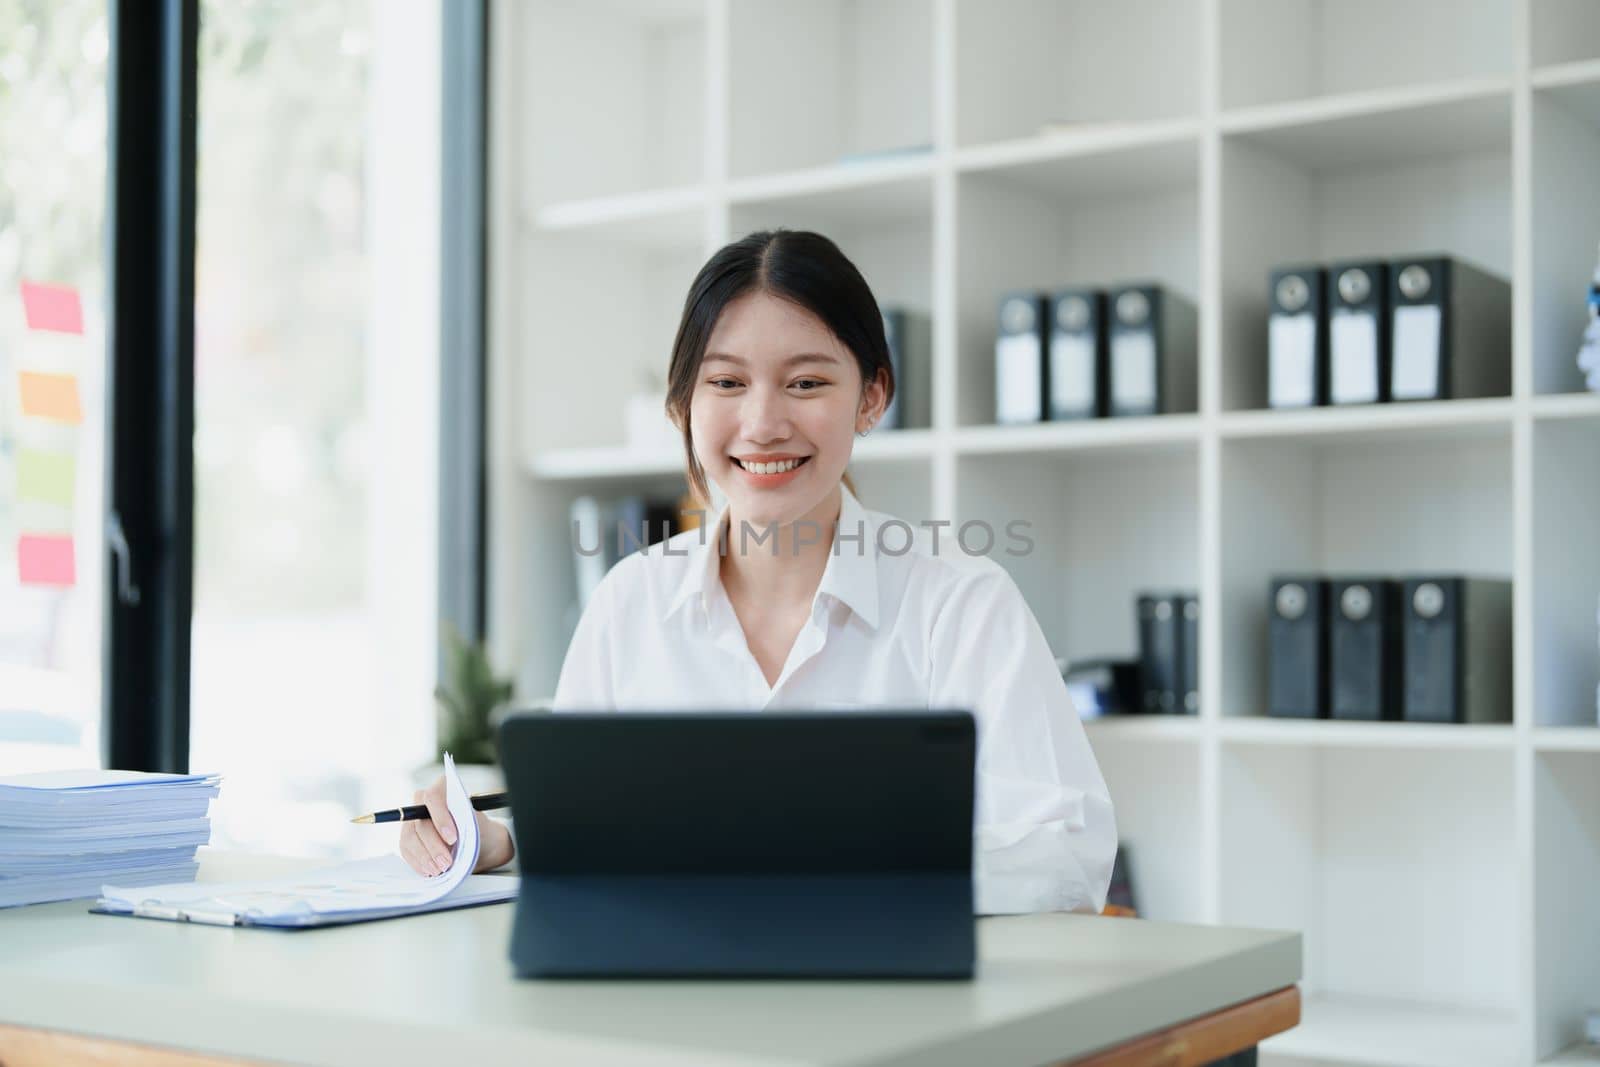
{"type": "Point", "coordinates": [428, 844]}
{"type": "Point", "coordinates": [433, 846]}
{"type": "Point", "coordinates": [440, 811]}
{"type": "Point", "coordinates": [415, 858]}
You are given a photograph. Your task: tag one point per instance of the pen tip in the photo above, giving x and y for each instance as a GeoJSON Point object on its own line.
{"type": "Point", "coordinates": [362, 818]}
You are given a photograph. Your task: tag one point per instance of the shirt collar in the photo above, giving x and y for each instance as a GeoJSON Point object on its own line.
{"type": "Point", "coordinates": [850, 577]}
{"type": "Point", "coordinates": [701, 570]}
{"type": "Point", "coordinates": [852, 572]}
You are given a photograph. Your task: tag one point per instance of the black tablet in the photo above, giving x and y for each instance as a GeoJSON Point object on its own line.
{"type": "Point", "coordinates": [785, 844]}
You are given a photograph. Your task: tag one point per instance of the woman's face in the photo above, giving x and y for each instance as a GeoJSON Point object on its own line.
{"type": "Point", "coordinates": [775, 408]}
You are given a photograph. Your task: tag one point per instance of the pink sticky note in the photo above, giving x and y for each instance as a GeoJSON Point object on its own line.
{"type": "Point", "coordinates": [45, 560]}
{"type": "Point", "coordinates": [52, 307]}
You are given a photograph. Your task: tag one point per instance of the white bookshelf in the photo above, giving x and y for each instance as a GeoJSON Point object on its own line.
{"type": "Point", "coordinates": [1444, 877]}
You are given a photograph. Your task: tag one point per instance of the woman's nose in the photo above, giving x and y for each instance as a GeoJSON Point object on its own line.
{"type": "Point", "coordinates": [764, 416]}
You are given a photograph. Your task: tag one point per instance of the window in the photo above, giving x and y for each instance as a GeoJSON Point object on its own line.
{"type": "Point", "coordinates": [316, 415]}
{"type": "Point", "coordinates": [52, 378]}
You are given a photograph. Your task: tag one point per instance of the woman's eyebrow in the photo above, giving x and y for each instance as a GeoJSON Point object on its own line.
{"type": "Point", "coordinates": [799, 357]}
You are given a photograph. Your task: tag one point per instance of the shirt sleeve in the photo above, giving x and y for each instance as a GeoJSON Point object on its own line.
{"type": "Point", "coordinates": [1045, 833]}
{"type": "Point", "coordinates": [585, 680]}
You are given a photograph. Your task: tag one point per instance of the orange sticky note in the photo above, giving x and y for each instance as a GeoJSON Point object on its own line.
{"type": "Point", "coordinates": [52, 307]}
{"type": "Point", "coordinates": [44, 560]}
{"type": "Point", "coordinates": [51, 396]}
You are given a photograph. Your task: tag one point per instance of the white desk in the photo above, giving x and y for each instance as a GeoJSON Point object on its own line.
{"type": "Point", "coordinates": [437, 989]}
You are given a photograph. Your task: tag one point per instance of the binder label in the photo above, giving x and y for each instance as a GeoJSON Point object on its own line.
{"type": "Point", "coordinates": [1072, 373]}
{"type": "Point", "coordinates": [1416, 353]}
{"type": "Point", "coordinates": [1133, 371]}
{"type": "Point", "coordinates": [1017, 356]}
{"type": "Point", "coordinates": [1292, 377]}
{"type": "Point", "coordinates": [1354, 341]}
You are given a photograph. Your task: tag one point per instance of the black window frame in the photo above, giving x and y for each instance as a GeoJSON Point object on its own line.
{"type": "Point", "coordinates": [463, 321]}
{"type": "Point", "coordinates": [149, 549]}
{"type": "Point", "coordinates": [152, 109]}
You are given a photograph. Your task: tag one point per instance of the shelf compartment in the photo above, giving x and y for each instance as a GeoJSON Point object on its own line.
{"type": "Point", "coordinates": [1272, 50]}
{"type": "Point", "coordinates": [899, 486]}
{"type": "Point", "coordinates": [812, 84]}
{"type": "Point", "coordinates": [1381, 127]}
{"type": "Point", "coordinates": [1104, 527]}
{"type": "Point", "coordinates": [1115, 141]}
{"type": "Point", "coordinates": [604, 314]}
{"type": "Point", "coordinates": [1427, 179]}
{"type": "Point", "coordinates": [861, 192]}
{"type": "Point", "coordinates": [1084, 63]}
{"type": "Point", "coordinates": [630, 113]}
{"type": "Point", "coordinates": [1411, 503]}
{"type": "Point", "coordinates": [1566, 406]}
{"type": "Point", "coordinates": [885, 194]}
{"type": "Point", "coordinates": [1156, 792]}
{"type": "Point", "coordinates": [1566, 739]}
{"type": "Point", "coordinates": [602, 464]}
{"type": "Point", "coordinates": [1137, 729]}
{"type": "Point", "coordinates": [1357, 1030]}
{"type": "Point", "coordinates": [1564, 31]}
{"type": "Point", "coordinates": [1566, 801]}
{"type": "Point", "coordinates": [1130, 215]}
{"type": "Point", "coordinates": [1152, 434]}
{"type": "Point", "coordinates": [1436, 420]}
{"type": "Point", "coordinates": [1565, 229]}
{"type": "Point", "coordinates": [544, 578]}
{"type": "Point", "coordinates": [1566, 572]}
{"type": "Point", "coordinates": [886, 230]}
{"type": "Point", "coordinates": [1393, 864]}
{"type": "Point", "coordinates": [1328, 733]}
{"type": "Point", "coordinates": [655, 219]}
{"type": "Point", "coordinates": [1579, 76]}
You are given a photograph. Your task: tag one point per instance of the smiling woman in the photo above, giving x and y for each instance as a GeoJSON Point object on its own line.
{"type": "Point", "coordinates": [792, 302]}
{"type": "Point", "coordinates": [792, 597]}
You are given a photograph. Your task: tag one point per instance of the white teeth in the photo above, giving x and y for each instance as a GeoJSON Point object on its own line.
{"type": "Point", "coordinates": [772, 468]}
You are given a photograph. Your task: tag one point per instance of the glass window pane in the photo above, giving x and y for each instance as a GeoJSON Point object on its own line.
{"type": "Point", "coordinates": [52, 378]}
{"type": "Point", "coordinates": [316, 396]}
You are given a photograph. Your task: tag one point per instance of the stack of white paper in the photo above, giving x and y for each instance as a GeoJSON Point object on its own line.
{"type": "Point", "coordinates": [378, 888]}
{"type": "Point", "coordinates": [63, 834]}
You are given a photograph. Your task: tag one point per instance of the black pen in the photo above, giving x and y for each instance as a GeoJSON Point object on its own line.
{"type": "Point", "coordinates": [480, 802]}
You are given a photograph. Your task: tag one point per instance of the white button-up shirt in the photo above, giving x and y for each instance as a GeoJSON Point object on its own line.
{"type": "Point", "coordinates": [916, 630]}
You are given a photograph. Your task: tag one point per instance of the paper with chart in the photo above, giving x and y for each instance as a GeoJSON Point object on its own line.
{"type": "Point", "coordinates": [360, 889]}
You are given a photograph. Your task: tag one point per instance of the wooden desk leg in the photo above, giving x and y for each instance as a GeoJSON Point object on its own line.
{"type": "Point", "coordinates": [23, 1047]}
{"type": "Point", "coordinates": [1205, 1040]}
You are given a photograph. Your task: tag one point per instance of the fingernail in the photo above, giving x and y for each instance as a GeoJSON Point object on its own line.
{"type": "Point", "coordinates": [449, 835]}
{"type": "Point", "coordinates": [444, 864]}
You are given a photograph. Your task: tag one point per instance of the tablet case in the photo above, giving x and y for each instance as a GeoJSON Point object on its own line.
{"type": "Point", "coordinates": [743, 844]}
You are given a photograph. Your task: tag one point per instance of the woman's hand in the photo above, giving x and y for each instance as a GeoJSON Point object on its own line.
{"type": "Point", "coordinates": [426, 843]}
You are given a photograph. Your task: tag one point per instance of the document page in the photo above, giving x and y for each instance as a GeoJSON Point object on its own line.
{"type": "Point", "coordinates": [381, 884]}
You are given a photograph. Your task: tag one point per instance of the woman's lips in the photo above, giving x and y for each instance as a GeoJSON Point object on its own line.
{"type": "Point", "coordinates": [770, 481]}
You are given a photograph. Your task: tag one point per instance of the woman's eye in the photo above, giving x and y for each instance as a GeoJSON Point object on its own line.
{"type": "Point", "coordinates": [808, 384]}
{"type": "Point", "coordinates": [718, 383]}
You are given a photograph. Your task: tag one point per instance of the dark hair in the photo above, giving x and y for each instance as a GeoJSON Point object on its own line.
{"type": "Point", "coordinates": [802, 267]}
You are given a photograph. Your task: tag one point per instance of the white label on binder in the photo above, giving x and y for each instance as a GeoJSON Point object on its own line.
{"type": "Point", "coordinates": [1354, 348]}
{"type": "Point", "coordinates": [1292, 363]}
{"type": "Point", "coordinates": [1133, 371]}
{"type": "Point", "coordinates": [1072, 374]}
{"type": "Point", "coordinates": [1416, 353]}
{"type": "Point", "coordinates": [1017, 369]}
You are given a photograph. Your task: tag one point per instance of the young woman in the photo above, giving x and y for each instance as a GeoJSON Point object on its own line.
{"type": "Point", "coordinates": [794, 595]}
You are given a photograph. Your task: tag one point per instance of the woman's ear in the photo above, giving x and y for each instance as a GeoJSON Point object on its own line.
{"type": "Point", "coordinates": [874, 398]}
